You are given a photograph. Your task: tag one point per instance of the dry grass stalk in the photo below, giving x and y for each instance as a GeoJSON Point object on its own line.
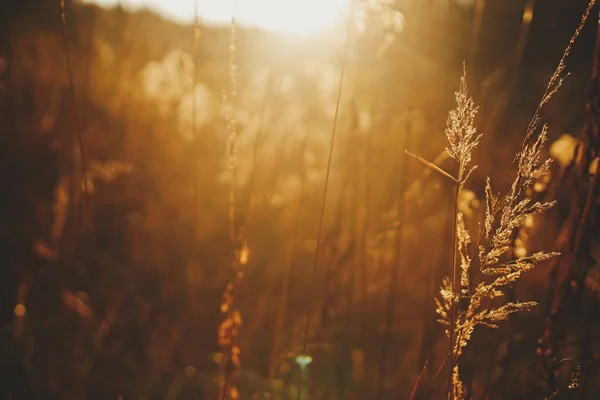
{"type": "Point", "coordinates": [232, 323]}
{"type": "Point", "coordinates": [461, 310]}
{"type": "Point", "coordinates": [463, 305]}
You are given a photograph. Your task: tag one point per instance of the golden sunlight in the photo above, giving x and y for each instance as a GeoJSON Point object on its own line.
{"type": "Point", "coordinates": [285, 16]}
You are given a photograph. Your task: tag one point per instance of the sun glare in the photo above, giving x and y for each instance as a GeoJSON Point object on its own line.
{"type": "Point", "coordinates": [286, 16]}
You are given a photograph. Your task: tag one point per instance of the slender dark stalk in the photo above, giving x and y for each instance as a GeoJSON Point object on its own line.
{"type": "Point", "coordinates": [323, 200]}
{"type": "Point", "coordinates": [413, 393]}
{"type": "Point", "coordinates": [453, 308]}
{"type": "Point", "coordinates": [324, 197]}
{"type": "Point", "coordinates": [512, 382]}
{"type": "Point", "coordinates": [78, 116]}
{"type": "Point", "coordinates": [441, 367]}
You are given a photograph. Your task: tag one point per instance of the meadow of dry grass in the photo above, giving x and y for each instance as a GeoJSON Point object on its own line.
{"type": "Point", "coordinates": [218, 212]}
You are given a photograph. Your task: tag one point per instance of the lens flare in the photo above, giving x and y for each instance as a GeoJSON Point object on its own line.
{"type": "Point", "coordinates": [285, 16]}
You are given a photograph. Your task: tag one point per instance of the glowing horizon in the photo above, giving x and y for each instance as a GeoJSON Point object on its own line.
{"type": "Point", "coordinates": [285, 16]}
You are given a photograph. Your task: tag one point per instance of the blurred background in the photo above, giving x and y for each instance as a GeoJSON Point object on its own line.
{"type": "Point", "coordinates": [115, 240]}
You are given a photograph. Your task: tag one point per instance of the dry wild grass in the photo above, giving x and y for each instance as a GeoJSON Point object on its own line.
{"type": "Point", "coordinates": [485, 274]}
{"type": "Point", "coordinates": [481, 273]}
{"type": "Point", "coordinates": [463, 306]}
{"type": "Point", "coordinates": [230, 326]}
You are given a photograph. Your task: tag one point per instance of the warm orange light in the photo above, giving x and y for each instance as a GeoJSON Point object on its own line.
{"type": "Point", "coordinates": [292, 16]}
{"type": "Point", "coordinates": [20, 310]}
{"type": "Point", "coordinates": [528, 13]}
{"type": "Point", "coordinates": [287, 16]}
